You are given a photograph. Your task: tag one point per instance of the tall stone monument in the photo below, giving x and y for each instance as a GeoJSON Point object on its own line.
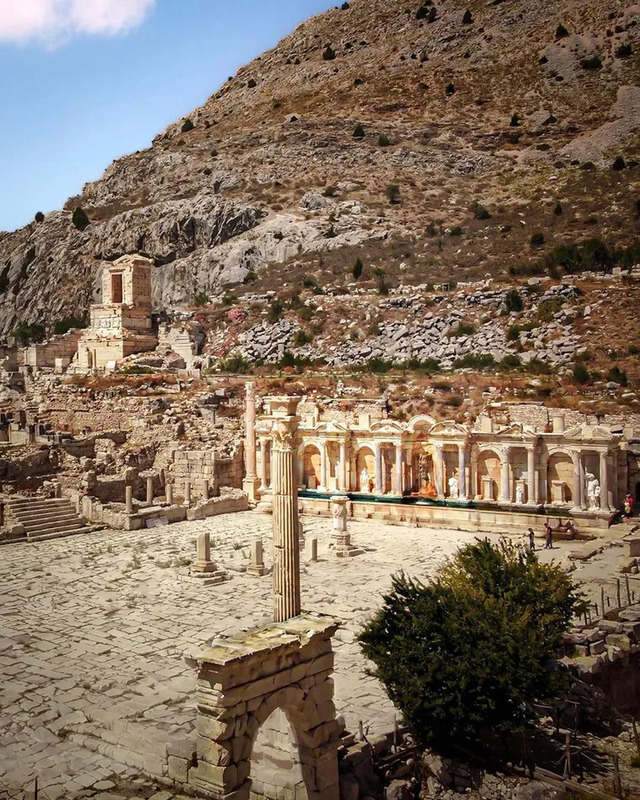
{"type": "Point", "coordinates": [286, 550]}
{"type": "Point", "coordinates": [251, 482]}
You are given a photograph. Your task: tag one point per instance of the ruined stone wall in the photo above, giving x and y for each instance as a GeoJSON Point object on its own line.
{"type": "Point", "coordinates": [537, 415]}
{"type": "Point", "coordinates": [198, 466]}
{"type": "Point", "coordinates": [45, 354]}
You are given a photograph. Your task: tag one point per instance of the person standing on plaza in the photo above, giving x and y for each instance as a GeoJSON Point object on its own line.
{"type": "Point", "coordinates": [548, 531]}
{"type": "Point", "coordinates": [532, 543]}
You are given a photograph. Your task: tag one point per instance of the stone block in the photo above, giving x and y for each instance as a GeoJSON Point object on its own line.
{"type": "Point", "coordinates": [215, 776]}
{"type": "Point", "coordinates": [216, 753]}
{"type": "Point", "coordinates": [178, 769]}
{"type": "Point", "coordinates": [213, 728]}
{"type": "Point", "coordinates": [182, 748]}
{"type": "Point", "coordinates": [597, 648]}
{"type": "Point", "coordinates": [320, 664]}
{"type": "Point", "coordinates": [619, 640]}
{"type": "Point", "coordinates": [322, 692]}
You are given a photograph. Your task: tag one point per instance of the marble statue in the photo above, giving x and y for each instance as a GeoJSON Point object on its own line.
{"type": "Point", "coordinates": [519, 495]}
{"type": "Point", "coordinates": [364, 481]}
{"type": "Point", "coordinates": [454, 488]}
{"type": "Point", "coordinates": [593, 490]}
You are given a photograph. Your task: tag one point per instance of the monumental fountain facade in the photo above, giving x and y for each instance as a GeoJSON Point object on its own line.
{"type": "Point", "coordinates": [581, 470]}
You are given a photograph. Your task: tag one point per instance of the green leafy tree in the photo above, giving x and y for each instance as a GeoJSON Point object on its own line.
{"type": "Point", "coordinates": [329, 53]}
{"type": "Point", "coordinates": [357, 269]}
{"type": "Point", "coordinates": [187, 126]}
{"type": "Point", "coordinates": [513, 301]}
{"type": "Point", "coordinates": [39, 216]}
{"type": "Point", "coordinates": [469, 650]}
{"type": "Point", "coordinates": [27, 333]}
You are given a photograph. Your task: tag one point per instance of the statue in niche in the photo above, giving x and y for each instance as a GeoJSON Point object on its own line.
{"type": "Point", "coordinates": [454, 488]}
{"type": "Point", "coordinates": [365, 481]}
{"type": "Point", "coordinates": [593, 491]}
{"type": "Point", "coordinates": [519, 494]}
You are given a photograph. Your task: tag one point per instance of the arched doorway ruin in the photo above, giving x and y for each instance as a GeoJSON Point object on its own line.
{"type": "Point", "coordinates": [488, 475]}
{"type": "Point", "coordinates": [311, 467]}
{"type": "Point", "coordinates": [365, 461]}
{"type": "Point", "coordinates": [560, 470]}
{"type": "Point", "coordinates": [248, 687]}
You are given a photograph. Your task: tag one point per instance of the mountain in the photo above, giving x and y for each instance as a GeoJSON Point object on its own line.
{"type": "Point", "coordinates": [443, 141]}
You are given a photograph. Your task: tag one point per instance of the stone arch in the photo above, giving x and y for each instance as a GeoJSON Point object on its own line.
{"type": "Point", "coordinates": [365, 459]}
{"type": "Point", "coordinates": [273, 678]}
{"type": "Point", "coordinates": [560, 466]}
{"type": "Point", "coordinates": [310, 465]}
{"type": "Point", "coordinates": [488, 473]}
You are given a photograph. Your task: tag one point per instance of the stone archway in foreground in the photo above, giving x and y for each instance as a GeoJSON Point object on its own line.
{"type": "Point", "coordinates": [243, 684]}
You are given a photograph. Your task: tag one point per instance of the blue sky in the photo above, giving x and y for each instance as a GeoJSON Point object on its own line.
{"type": "Point", "coordinates": [72, 101]}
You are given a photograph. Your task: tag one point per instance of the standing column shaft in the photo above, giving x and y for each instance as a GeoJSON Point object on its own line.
{"type": "Point", "coordinates": [379, 476]}
{"type": "Point", "coordinates": [286, 567]}
{"type": "Point", "coordinates": [440, 476]}
{"type": "Point", "coordinates": [505, 492]}
{"type": "Point", "coordinates": [399, 469]}
{"type": "Point", "coordinates": [462, 470]}
{"type": "Point", "coordinates": [604, 482]}
{"type": "Point", "coordinates": [343, 468]}
{"type": "Point", "coordinates": [577, 499]}
{"type": "Point", "coordinates": [263, 465]}
{"type": "Point", "coordinates": [531, 475]}
{"type": "Point", "coordinates": [583, 482]}
{"type": "Point", "coordinates": [323, 465]}
{"type": "Point", "coordinates": [250, 432]}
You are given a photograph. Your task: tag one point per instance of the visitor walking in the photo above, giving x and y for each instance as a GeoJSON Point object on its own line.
{"type": "Point", "coordinates": [532, 543]}
{"type": "Point", "coordinates": [548, 532]}
{"type": "Point", "coordinates": [628, 506]}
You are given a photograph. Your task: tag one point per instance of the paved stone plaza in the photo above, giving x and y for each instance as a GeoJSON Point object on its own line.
{"type": "Point", "coordinates": [93, 630]}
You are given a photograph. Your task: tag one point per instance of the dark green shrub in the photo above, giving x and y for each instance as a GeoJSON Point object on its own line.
{"type": "Point", "coordinates": [450, 89]}
{"type": "Point", "coordinates": [330, 191]}
{"type": "Point", "coordinates": [383, 140]}
{"type": "Point", "coordinates": [300, 338]}
{"type": "Point", "coordinates": [80, 219]}
{"type": "Point", "coordinates": [393, 194]}
{"type": "Point", "coordinates": [515, 121]}
{"type": "Point", "coordinates": [619, 164]}
{"type": "Point", "coordinates": [230, 300]}
{"type": "Point", "coordinates": [617, 375]}
{"type": "Point", "coordinates": [477, 361]}
{"type": "Point", "coordinates": [624, 51]}
{"type": "Point", "coordinates": [537, 239]}
{"type": "Point", "coordinates": [63, 326]}
{"type": "Point", "coordinates": [306, 313]}
{"type": "Point", "coordinates": [479, 211]}
{"type": "Point", "coordinates": [580, 373]}
{"type": "Point", "coordinates": [467, 18]}
{"type": "Point", "coordinates": [561, 32]}
{"type": "Point", "coordinates": [28, 333]}
{"type": "Point", "coordinates": [468, 651]}
{"type": "Point", "coordinates": [329, 53]}
{"type": "Point", "coordinates": [548, 309]}
{"type": "Point", "coordinates": [250, 277]}
{"type": "Point", "coordinates": [39, 217]}
{"type": "Point", "coordinates": [513, 301]}
{"type": "Point", "coordinates": [358, 132]}
{"type": "Point", "coordinates": [455, 401]}
{"type": "Point", "coordinates": [539, 367]}
{"type": "Point", "coordinates": [462, 329]}
{"type": "Point", "coordinates": [251, 83]}
{"type": "Point", "coordinates": [357, 269]}
{"type": "Point", "coordinates": [429, 365]}
{"type": "Point", "coordinates": [511, 361]}
{"type": "Point", "coordinates": [234, 363]}
{"type": "Point", "coordinates": [455, 230]}
{"type": "Point", "coordinates": [557, 210]}
{"type": "Point", "coordinates": [276, 310]}
{"type": "Point", "coordinates": [200, 299]}
{"type": "Point", "coordinates": [634, 350]}
{"type": "Point", "coordinates": [513, 333]}
{"type": "Point", "coordinates": [4, 279]}
{"type": "Point", "coordinates": [591, 63]}
{"type": "Point", "coordinates": [536, 268]}
{"type": "Point", "coordinates": [187, 125]}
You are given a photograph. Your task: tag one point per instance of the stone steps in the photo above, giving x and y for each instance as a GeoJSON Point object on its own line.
{"type": "Point", "coordinates": [46, 519]}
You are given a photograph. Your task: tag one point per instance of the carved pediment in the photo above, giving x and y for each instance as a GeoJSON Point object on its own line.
{"type": "Point", "coordinates": [449, 428]}
{"type": "Point", "coordinates": [421, 422]}
{"type": "Point", "coordinates": [331, 427]}
{"type": "Point", "coordinates": [389, 426]}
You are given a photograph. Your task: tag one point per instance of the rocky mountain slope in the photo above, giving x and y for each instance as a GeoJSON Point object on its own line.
{"type": "Point", "coordinates": [443, 141]}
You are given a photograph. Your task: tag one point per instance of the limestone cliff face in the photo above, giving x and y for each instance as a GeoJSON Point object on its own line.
{"type": "Point", "coordinates": [457, 103]}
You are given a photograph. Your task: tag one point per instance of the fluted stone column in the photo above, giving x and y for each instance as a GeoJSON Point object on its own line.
{"type": "Point", "coordinates": [250, 481]}
{"type": "Point", "coordinates": [604, 482]}
{"type": "Point", "coordinates": [323, 465]}
{"type": "Point", "coordinates": [286, 553]}
{"type": "Point", "coordinates": [505, 491]}
{"type": "Point", "coordinates": [379, 476]}
{"type": "Point", "coordinates": [440, 476]}
{"type": "Point", "coordinates": [399, 487]}
{"type": "Point", "coordinates": [264, 444]}
{"type": "Point", "coordinates": [149, 490]}
{"type": "Point", "coordinates": [531, 476]}
{"type": "Point", "coordinates": [343, 468]}
{"type": "Point", "coordinates": [577, 483]}
{"type": "Point", "coordinates": [462, 471]}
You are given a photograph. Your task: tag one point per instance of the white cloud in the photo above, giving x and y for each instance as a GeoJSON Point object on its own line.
{"type": "Point", "coordinates": [53, 21]}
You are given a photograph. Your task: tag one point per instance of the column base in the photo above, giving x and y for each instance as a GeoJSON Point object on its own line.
{"type": "Point", "coordinates": [256, 572]}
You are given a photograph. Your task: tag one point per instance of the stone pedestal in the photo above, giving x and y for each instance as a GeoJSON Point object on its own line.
{"type": "Point", "coordinates": [339, 513]}
{"type": "Point", "coordinates": [203, 567]}
{"type": "Point", "coordinates": [256, 563]}
{"type": "Point", "coordinates": [313, 549]}
{"type": "Point", "coordinates": [245, 684]}
{"type": "Point", "coordinates": [343, 547]}
{"type": "Point", "coordinates": [632, 546]}
{"type": "Point", "coordinates": [558, 492]}
{"type": "Point", "coordinates": [487, 488]}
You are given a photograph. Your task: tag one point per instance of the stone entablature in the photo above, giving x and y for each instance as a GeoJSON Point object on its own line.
{"type": "Point", "coordinates": [583, 468]}
{"type": "Point", "coordinates": [120, 325]}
